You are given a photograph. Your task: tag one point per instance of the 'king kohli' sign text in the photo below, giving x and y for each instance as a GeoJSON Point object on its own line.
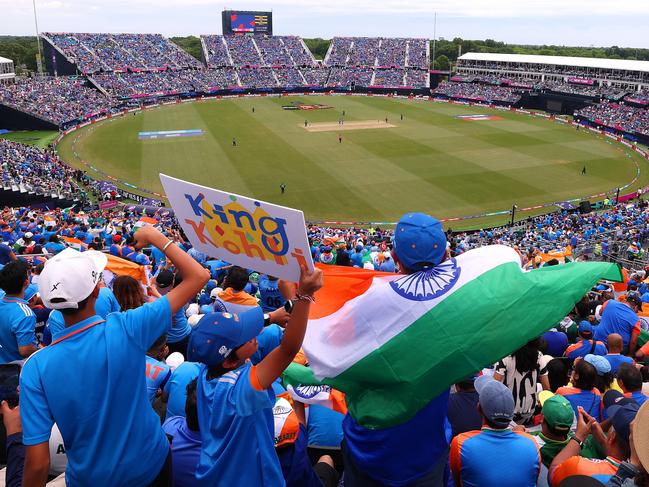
{"type": "Point", "coordinates": [253, 234]}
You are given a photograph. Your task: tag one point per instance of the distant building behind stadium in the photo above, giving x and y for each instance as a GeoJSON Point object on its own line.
{"type": "Point", "coordinates": [614, 73]}
{"type": "Point", "coordinates": [7, 72]}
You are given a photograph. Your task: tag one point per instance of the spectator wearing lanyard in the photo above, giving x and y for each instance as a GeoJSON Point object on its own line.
{"type": "Point", "coordinates": [111, 433]}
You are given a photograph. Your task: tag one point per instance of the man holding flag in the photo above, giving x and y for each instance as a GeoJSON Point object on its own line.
{"type": "Point", "coordinates": [395, 343]}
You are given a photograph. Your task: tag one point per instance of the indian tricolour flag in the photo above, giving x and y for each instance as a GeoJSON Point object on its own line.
{"type": "Point", "coordinates": [392, 343]}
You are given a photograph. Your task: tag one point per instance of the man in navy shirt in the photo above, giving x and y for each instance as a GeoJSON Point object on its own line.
{"type": "Point", "coordinates": [91, 379]}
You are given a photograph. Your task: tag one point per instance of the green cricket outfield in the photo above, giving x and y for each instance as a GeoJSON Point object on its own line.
{"type": "Point", "coordinates": [366, 169]}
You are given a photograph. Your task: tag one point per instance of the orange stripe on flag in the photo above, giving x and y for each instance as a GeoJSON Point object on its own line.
{"type": "Point", "coordinates": [123, 267]}
{"type": "Point", "coordinates": [340, 285]}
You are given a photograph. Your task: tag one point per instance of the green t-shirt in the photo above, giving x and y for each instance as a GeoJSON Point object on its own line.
{"type": "Point", "coordinates": [551, 448]}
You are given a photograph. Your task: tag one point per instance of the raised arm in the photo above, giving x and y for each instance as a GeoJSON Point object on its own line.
{"type": "Point", "coordinates": [271, 367]}
{"type": "Point", "coordinates": [194, 275]}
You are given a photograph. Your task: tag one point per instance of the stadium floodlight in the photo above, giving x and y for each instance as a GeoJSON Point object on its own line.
{"type": "Point", "coordinates": [39, 61]}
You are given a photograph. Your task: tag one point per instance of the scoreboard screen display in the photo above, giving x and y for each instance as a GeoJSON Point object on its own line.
{"type": "Point", "coordinates": [242, 22]}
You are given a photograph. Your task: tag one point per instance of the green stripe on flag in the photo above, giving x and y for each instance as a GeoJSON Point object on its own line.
{"type": "Point", "coordinates": [486, 319]}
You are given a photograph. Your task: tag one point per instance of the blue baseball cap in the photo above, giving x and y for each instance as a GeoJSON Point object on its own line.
{"type": "Point", "coordinates": [622, 415]}
{"type": "Point", "coordinates": [217, 334]}
{"type": "Point", "coordinates": [419, 241]}
{"type": "Point", "coordinates": [585, 327]}
{"type": "Point", "coordinates": [496, 400]}
{"type": "Point", "coordinates": [31, 291]}
{"type": "Point", "coordinates": [601, 364]}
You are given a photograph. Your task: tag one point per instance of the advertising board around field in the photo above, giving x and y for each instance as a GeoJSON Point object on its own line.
{"type": "Point", "coordinates": [243, 231]}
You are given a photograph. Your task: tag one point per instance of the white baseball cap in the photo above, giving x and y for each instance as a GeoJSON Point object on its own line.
{"type": "Point", "coordinates": [174, 360]}
{"type": "Point", "coordinates": [70, 277]}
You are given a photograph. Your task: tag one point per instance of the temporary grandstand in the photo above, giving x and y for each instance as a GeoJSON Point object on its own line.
{"type": "Point", "coordinates": [630, 75]}
{"type": "Point", "coordinates": [7, 72]}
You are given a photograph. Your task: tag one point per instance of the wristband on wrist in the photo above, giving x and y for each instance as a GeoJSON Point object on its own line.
{"type": "Point", "coordinates": [578, 441]}
{"type": "Point", "coordinates": [169, 242]}
{"type": "Point", "coordinates": [304, 297]}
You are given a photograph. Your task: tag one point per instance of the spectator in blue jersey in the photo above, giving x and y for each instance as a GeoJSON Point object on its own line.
{"type": "Point", "coordinates": [91, 379]}
{"type": "Point", "coordinates": [186, 442]}
{"type": "Point", "coordinates": [6, 253]}
{"type": "Point", "coordinates": [157, 371]}
{"type": "Point", "coordinates": [414, 452]}
{"type": "Point", "coordinates": [585, 344]}
{"type": "Point", "coordinates": [233, 396]}
{"type": "Point", "coordinates": [116, 247]}
{"type": "Point", "coordinates": [271, 297]}
{"type": "Point", "coordinates": [582, 392]}
{"type": "Point", "coordinates": [620, 318]}
{"type": "Point", "coordinates": [357, 256]}
{"type": "Point", "coordinates": [477, 457]}
{"type": "Point", "coordinates": [463, 407]}
{"type": "Point", "coordinates": [175, 390]}
{"type": "Point", "coordinates": [54, 245]}
{"type": "Point", "coordinates": [178, 334]}
{"type": "Point", "coordinates": [17, 320]}
{"type": "Point", "coordinates": [614, 355]}
{"type": "Point", "coordinates": [629, 378]}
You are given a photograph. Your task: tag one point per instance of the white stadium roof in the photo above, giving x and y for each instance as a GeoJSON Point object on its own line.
{"type": "Point", "coordinates": [5, 60]}
{"type": "Point", "coordinates": [582, 62]}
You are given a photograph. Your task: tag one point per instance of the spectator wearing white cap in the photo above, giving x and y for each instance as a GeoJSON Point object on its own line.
{"type": "Point", "coordinates": [91, 379]}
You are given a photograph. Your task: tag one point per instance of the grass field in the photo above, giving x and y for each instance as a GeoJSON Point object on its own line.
{"type": "Point", "coordinates": [429, 161]}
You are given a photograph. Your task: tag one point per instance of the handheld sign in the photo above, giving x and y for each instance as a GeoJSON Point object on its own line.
{"type": "Point", "coordinates": [246, 232]}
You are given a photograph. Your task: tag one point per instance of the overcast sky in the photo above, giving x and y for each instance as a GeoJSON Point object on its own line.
{"type": "Point", "coordinates": [565, 22]}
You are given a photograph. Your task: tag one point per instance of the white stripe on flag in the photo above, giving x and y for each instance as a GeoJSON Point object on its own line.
{"type": "Point", "coordinates": [364, 324]}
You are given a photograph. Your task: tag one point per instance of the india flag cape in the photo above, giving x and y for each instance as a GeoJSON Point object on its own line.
{"type": "Point", "coordinates": [392, 343]}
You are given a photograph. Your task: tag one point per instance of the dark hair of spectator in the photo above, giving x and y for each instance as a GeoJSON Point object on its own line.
{"type": "Point", "coordinates": [13, 276]}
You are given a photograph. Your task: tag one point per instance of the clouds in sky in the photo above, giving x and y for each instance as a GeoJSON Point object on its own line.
{"type": "Point", "coordinates": [570, 22]}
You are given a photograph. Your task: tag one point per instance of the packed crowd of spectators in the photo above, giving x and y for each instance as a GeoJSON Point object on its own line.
{"type": "Point", "coordinates": [257, 77]}
{"type": "Point", "coordinates": [28, 168]}
{"type": "Point", "coordinates": [299, 52]}
{"type": "Point", "coordinates": [617, 115]}
{"type": "Point", "coordinates": [289, 76]}
{"type": "Point", "coordinates": [243, 51]}
{"type": "Point", "coordinates": [341, 76]}
{"type": "Point", "coordinates": [94, 52]}
{"type": "Point", "coordinates": [479, 92]}
{"type": "Point", "coordinates": [57, 100]}
{"type": "Point", "coordinates": [184, 324]}
{"type": "Point", "coordinates": [215, 51]}
{"type": "Point", "coordinates": [126, 85]}
{"type": "Point", "coordinates": [388, 77]}
{"type": "Point", "coordinates": [273, 51]}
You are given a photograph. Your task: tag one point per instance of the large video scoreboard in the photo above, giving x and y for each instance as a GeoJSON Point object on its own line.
{"type": "Point", "coordinates": [242, 22]}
